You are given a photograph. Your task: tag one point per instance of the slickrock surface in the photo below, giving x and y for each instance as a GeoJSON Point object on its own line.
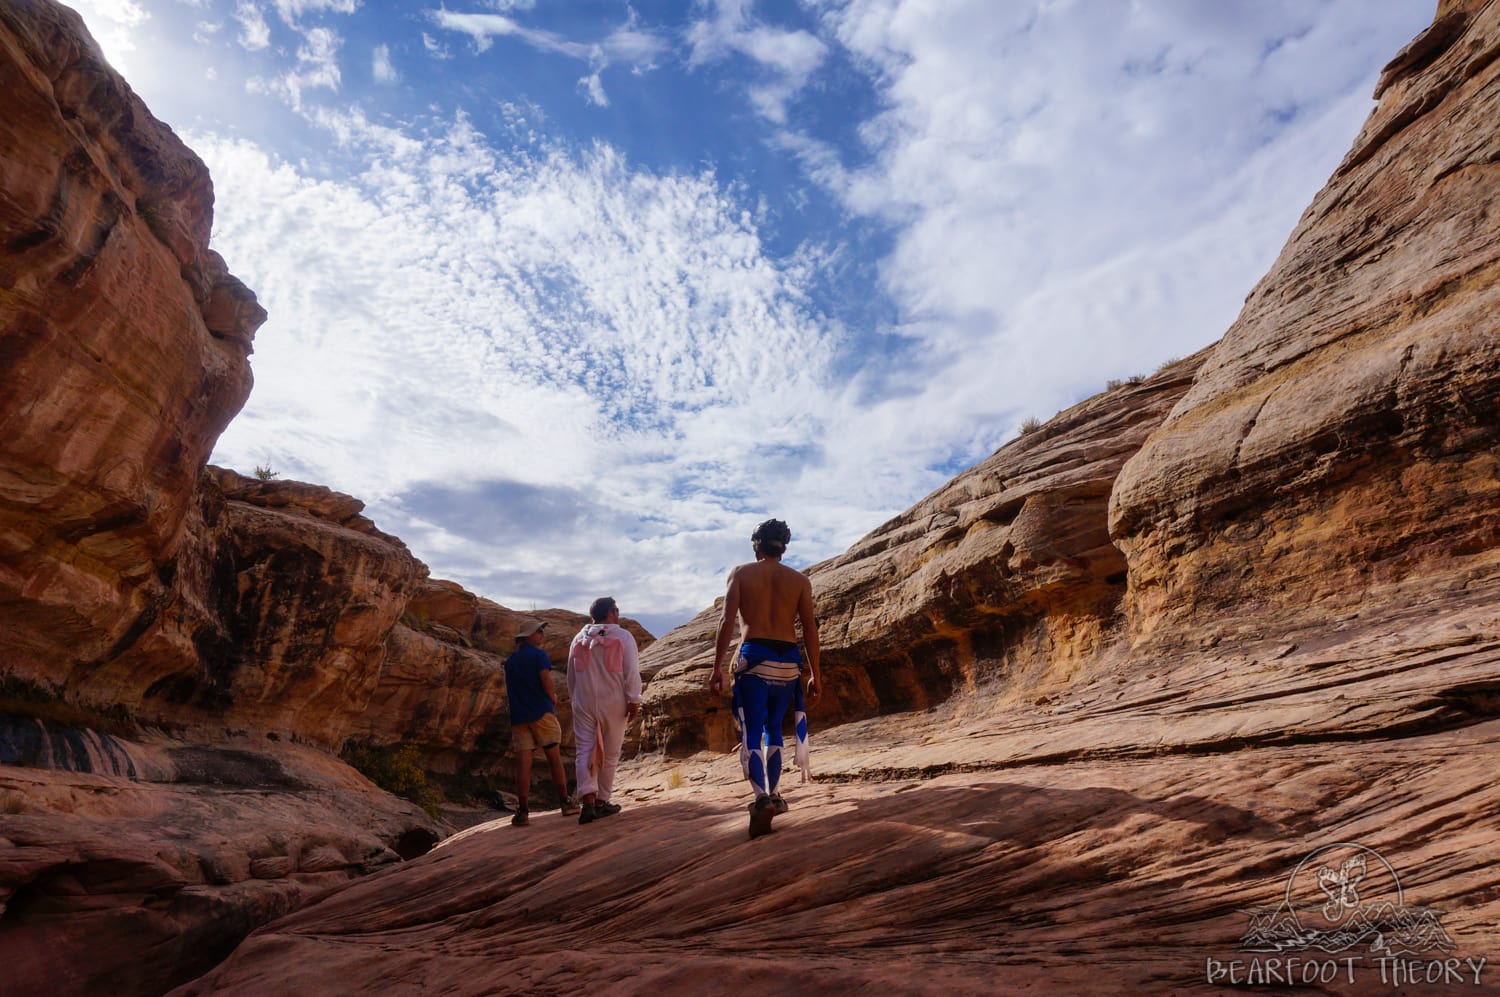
{"type": "Point", "coordinates": [149, 869]}
{"type": "Point", "coordinates": [1110, 845]}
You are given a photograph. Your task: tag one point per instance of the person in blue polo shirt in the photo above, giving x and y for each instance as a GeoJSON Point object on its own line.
{"type": "Point", "coordinates": [533, 716]}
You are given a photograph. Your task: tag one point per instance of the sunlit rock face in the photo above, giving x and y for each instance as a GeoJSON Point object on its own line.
{"type": "Point", "coordinates": [284, 598]}
{"type": "Point", "coordinates": [123, 348]}
{"type": "Point", "coordinates": [1337, 448]}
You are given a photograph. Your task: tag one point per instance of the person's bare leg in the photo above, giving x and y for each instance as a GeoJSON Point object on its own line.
{"type": "Point", "coordinates": [523, 789]}
{"type": "Point", "coordinates": [523, 779]}
{"type": "Point", "coordinates": [559, 778]}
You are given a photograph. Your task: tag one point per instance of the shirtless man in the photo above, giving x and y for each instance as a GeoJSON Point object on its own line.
{"type": "Point", "coordinates": [769, 599]}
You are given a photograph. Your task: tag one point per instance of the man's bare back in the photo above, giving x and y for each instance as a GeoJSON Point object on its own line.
{"type": "Point", "coordinates": [770, 596]}
{"type": "Point", "coordinates": [768, 600]}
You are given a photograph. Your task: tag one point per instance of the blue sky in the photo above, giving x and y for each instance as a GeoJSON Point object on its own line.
{"type": "Point", "coordinates": [573, 293]}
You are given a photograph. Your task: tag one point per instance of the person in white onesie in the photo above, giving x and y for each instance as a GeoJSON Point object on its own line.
{"type": "Point", "coordinates": [604, 683]}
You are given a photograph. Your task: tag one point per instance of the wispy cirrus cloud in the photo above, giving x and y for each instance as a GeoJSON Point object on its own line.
{"type": "Point", "coordinates": [628, 44]}
{"type": "Point", "coordinates": [786, 59]}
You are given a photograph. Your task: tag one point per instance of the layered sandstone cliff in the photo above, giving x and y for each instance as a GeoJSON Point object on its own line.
{"type": "Point", "coordinates": [125, 347]}
{"type": "Point", "coordinates": [1338, 447]}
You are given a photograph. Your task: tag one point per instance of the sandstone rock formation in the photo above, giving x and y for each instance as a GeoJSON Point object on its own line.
{"type": "Point", "coordinates": [124, 350]}
{"type": "Point", "coordinates": [125, 885]}
{"type": "Point", "coordinates": [1158, 656]}
{"type": "Point", "coordinates": [1309, 474]}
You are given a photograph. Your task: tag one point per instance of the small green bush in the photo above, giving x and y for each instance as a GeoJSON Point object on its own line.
{"type": "Point", "coordinates": [265, 473]}
{"type": "Point", "coordinates": [395, 770]}
{"type": "Point", "coordinates": [415, 619]}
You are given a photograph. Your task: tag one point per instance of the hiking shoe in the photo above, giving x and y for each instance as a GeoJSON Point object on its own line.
{"type": "Point", "coordinates": [778, 803]}
{"type": "Point", "coordinates": [606, 809]}
{"type": "Point", "coordinates": [587, 814]}
{"type": "Point", "coordinates": [762, 812]}
{"type": "Point", "coordinates": [570, 807]}
{"type": "Point", "coordinates": [521, 819]}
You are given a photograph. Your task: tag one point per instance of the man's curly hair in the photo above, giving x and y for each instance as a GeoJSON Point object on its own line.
{"type": "Point", "coordinates": [771, 537]}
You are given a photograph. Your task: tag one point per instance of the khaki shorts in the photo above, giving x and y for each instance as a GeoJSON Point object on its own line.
{"type": "Point", "coordinates": [543, 733]}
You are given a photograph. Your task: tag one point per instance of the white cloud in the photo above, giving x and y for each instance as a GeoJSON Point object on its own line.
{"type": "Point", "coordinates": [593, 90]}
{"type": "Point", "coordinates": [549, 370]}
{"type": "Point", "coordinates": [317, 68]}
{"type": "Point", "coordinates": [1080, 197]}
{"type": "Point", "coordinates": [559, 344]}
{"type": "Point", "coordinates": [291, 11]}
{"type": "Point", "coordinates": [255, 33]}
{"type": "Point", "coordinates": [787, 59]}
{"type": "Point", "coordinates": [640, 49]}
{"type": "Point", "coordinates": [382, 68]}
{"type": "Point", "coordinates": [482, 27]}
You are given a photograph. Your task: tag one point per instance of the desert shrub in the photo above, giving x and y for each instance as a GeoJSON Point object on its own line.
{"type": "Point", "coordinates": [1031, 425]}
{"type": "Point", "coordinates": [395, 770]}
{"type": "Point", "coordinates": [674, 779]}
{"type": "Point", "coordinates": [265, 473]}
{"type": "Point", "coordinates": [12, 803]}
{"type": "Point", "coordinates": [1167, 363]}
{"type": "Point", "coordinates": [415, 619]}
